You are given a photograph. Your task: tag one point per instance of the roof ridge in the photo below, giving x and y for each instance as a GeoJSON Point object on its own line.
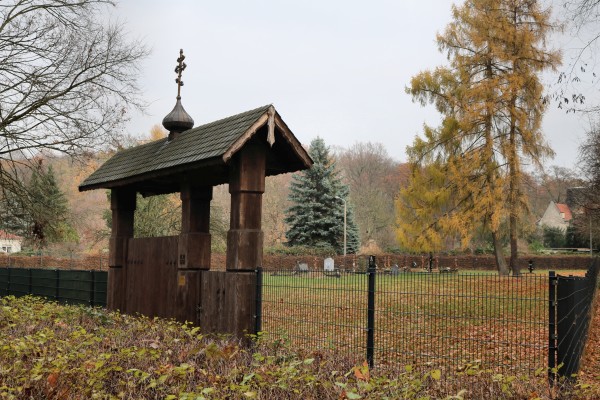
{"type": "Point", "coordinates": [235, 116]}
{"type": "Point", "coordinates": [7, 235]}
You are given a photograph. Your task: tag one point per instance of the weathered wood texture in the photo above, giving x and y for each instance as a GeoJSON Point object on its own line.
{"type": "Point", "coordinates": [247, 184]}
{"type": "Point", "coordinates": [188, 296]}
{"type": "Point", "coordinates": [116, 287]}
{"type": "Point", "coordinates": [122, 204]}
{"type": "Point", "coordinates": [228, 302]}
{"type": "Point", "coordinates": [169, 276]}
{"type": "Point", "coordinates": [152, 277]}
{"type": "Point", "coordinates": [194, 240]}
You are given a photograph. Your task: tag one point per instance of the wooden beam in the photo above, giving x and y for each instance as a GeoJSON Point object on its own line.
{"type": "Point", "coordinates": [291, 139]}
{"type": "Point", "coordinates": [238, 144]}
{"type": "Point", "coordinates": [194, 240]}
{"type": "Point", "coordinates": [247, 184]}
{"type": "Point", "coordinates": [122, 204]}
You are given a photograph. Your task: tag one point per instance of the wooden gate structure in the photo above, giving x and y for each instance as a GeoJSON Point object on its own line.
{"type": "Point", "coordinates": [170, 276]}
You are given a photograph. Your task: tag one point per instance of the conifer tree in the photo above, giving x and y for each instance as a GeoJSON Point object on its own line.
{"type": "Point", "coordinates": [316, 217]}
{"type": "Point", "coordinates": [490, 98]}
{"type": "Point", "coordinates": [48, 209]}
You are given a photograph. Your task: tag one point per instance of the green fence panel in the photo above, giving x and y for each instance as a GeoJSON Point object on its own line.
{"type": "Point", "coordinates": [44, 283]}
{"type": "Point", "coordinates": [76, 287]}
{"type": "Point", "coordinates": [100, 287]}
{"type": "Point", "coordinates": [4, 281]}
{"type": "Point", "coordinates": [19, 282]}
{"type": "Point", "coordinates": [69, 286]}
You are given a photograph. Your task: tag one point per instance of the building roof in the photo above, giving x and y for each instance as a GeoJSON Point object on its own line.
{"type": "Point", "coordinates": [564, 209]}
{"type": "Point", "coordinates": [9, 236]}
{"type": "Point", "coordinates": [205, 149]}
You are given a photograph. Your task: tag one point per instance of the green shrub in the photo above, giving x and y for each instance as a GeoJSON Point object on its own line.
{"type": "Point", "coordinates": [319, 251]}
{"type": "Point", "coordinates": [49, 351]}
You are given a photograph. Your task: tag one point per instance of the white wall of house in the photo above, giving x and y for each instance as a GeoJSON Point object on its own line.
{"type": "Point", "coordinates": [10, 245]}
{"type": "Point", "coordinates": [553, 219]}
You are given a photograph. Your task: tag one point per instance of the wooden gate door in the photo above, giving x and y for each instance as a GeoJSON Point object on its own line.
{"type": "Point", "coordinates": [152, 276]}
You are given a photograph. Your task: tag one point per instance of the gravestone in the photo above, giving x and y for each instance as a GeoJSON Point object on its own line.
{"type": "Point", "coordinates": [302, 267]}
{"type": "Point", "coordinates": [328, 265]}
{"type": "Point", "coordinates": [395, 270]}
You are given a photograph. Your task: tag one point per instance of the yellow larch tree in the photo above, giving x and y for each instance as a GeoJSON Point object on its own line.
{"type": "Point", "coordinates": [491, 101]}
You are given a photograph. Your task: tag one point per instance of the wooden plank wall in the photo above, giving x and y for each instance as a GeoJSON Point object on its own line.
{"type": "Point", "coordinates": [217, 301]}
{"type": "Point", "coordinates": [228, 302]}
{"type": "Point", "coordinates": [152, 276]}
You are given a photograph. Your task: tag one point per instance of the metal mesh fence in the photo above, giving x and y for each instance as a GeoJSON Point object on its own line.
{"type": "Point", "coordinates": [316, 310]}
{"type": "Point", "coordinates": [419, 319]}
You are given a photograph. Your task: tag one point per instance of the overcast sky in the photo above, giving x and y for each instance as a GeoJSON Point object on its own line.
{"type": "Point", "coordinates": [335, 69]}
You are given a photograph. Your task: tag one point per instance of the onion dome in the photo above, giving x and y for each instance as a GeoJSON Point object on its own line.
{"type": "Point", "coordinates": [178, 120]}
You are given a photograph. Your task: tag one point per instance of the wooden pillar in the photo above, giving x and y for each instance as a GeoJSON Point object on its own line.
{"type": "Point", "coordinates": [122, 204]}
{"type": "Point", "coordinates": [228, 302]}
{"type": "Point", "coordinates": [237, 286]}
{"type": "Point", "coordinates": [194, 250]}
{"type": "Point", "coordinates": [194, 240]}
{"type": "Point", "coordinates": [247, 184]}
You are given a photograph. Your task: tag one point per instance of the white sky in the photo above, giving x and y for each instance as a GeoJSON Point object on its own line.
{"type": "Point", "coordinates": [335, 69]}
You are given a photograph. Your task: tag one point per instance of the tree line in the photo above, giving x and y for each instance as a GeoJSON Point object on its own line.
{"type": "Point", "coordinates": [302, 212]}
{"type": "Point", "coordinates": [475, 181]}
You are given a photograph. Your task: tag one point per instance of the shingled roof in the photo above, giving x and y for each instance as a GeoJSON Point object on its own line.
{"type": "Point", "coordinates": [206, 149]}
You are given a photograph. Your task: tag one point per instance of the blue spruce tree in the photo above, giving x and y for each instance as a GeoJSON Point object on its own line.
{"type": "Point", "coordinates": [316, 217]}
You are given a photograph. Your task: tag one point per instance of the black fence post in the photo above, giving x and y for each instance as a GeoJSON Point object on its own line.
{"type": "Point", "coordinates": [552, 282]}
{"type": "Point", "coordinates": [30, 289]}
{"type": "Point", "coordinates": [57, 284]}
{"type": "Point", "coordinates": [371, 312]}
{"type": "Point", "coordinates": [92, 288]}
{"type": "Point", "coordinates": [258, 311]}
{"type": "Point", "coordinates": [8, 282]}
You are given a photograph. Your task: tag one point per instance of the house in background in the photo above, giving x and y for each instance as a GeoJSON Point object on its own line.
{"type": "Point", "coordinates": [10, 243]}
{"type": "Point", "coordinates": [557, 215]}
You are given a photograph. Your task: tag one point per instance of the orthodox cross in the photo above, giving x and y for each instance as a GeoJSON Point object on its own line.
{"type": "Point", "coordinates": [178, 70]}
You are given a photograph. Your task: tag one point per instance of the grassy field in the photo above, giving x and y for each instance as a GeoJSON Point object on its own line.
{"type": "Point", "coordinates": [442, 320]}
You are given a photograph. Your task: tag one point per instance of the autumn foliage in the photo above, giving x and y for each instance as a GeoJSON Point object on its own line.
{"type": "Point", "coordinates": [49, 351]}
{"type": "Point", "coordinates": [467, 173]}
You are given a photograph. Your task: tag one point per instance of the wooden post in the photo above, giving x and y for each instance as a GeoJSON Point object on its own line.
{"type": "Point", "coordinates": [194, 250]}
{"type": "Point", "coordinates": [122, 204]}
{"type": "Point", "coordinates": [228, 302]}
{"type": "Point", "coordinates": [247, 184]}
{"type": "Point", "coordinates": [194, 240]}
{"type": "Point", "coordinates": [244, 239]}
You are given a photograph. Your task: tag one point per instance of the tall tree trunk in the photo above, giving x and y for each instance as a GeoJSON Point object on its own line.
{"type": "Point", "coordinates": [500, 260]}
{"type": "Point", "coordinates": [513, 195]}
{"type": "Point", "coordinates": [514, 262]}
{"type": "Point", "coordinates": [513, 167]}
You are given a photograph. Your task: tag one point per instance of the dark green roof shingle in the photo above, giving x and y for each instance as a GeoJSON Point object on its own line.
{"type": "Point", "coordinates": [201, 143]}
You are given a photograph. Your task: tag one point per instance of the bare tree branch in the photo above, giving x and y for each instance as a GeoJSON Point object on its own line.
{"type": "Point", "coordinates": [67, 81]}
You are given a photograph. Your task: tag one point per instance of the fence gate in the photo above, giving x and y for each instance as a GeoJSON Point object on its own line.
{"type": "Point", "coordinates": [571, 306]}
{"type": "Point", "coordinates": [151, 276]}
